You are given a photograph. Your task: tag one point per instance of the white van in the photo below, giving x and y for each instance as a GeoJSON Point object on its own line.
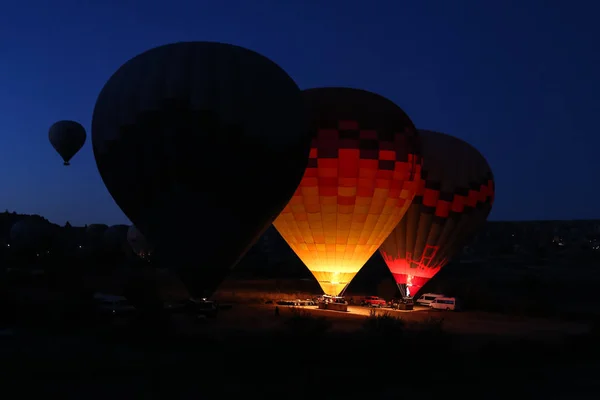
{"type": "Point", "coordinates": [111, 304]}
{"type": "Point", "coordinates": [427, 298]}
{"type": "Point", "coordinates": [444, 303]}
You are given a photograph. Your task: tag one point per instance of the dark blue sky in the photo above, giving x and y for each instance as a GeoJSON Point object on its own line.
{"type": "Point", "coordinates": [517, 79]}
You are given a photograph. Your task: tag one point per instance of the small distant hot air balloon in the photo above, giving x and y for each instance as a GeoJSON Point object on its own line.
{"type": "Point", "coordinates": [67, 138]}
{"type": "Point", "coordinates": [358, 184]}
{"type": "Point", "coordinates": [138, 242]}
{"type": "Point", "coordinates": [204, 138]}
{"type": "Point", "coordinates": [454, 198]}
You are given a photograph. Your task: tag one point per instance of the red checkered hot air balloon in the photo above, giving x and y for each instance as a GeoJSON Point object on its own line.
{"type": "Point", "coordinates": [454, 198]}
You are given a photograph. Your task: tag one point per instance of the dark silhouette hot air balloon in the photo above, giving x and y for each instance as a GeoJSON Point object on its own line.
{"type": "Point", "coordinates": [358, 184]}
{"type": "Point", "coordinates": [67, 138]}
{"type": "Point", "coordinates": [115, 238]}
{"type": "Point", "coordinates": [455, 196]}
{"type": "Point", "coordinates": [201, 145]}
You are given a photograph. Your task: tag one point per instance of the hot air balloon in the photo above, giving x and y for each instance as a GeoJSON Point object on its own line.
{"type": "Point", "coordinates": [67, 138]}
{"type": "Point", "coordinates": [115, 238]}
{"type": "Point", "coordinates": [455, 196]}
{"type": "Point", "coordinates": [138, 242]}
{"type": "Point", "coordinates": [358, 184]}
{"type": "Point", "coordinates": [201, 145]}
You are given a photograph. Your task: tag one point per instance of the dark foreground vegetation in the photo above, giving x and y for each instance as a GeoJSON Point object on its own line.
{"type": "Point", "coordinates": [52, 343]}
{"type": "Point", "coordinates": [302, 358]}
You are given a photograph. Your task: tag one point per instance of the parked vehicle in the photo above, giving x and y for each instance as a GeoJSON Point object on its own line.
{"type": "Point", "coordinates": [202, 307]}
{"type": "Point", "coordinates": [444, 303]}
{"type": "Point", "coordinates": [374, 301]}
{"type": "Point", "coordinates": [405, 303]}
{"type": "Point", "coordinates": [175, 307]}
{"type": "Point", "coordinates": [330, 299]}
{"type": "Point", "coordinates": [334, 303]}
{"type": "Point", "coordinates": [108, 304]}
{"type": "Point", "coordinates": [296, 302]}
{"type": "Point", "coordinates": [427, 298]}
{"type": "Point", "coordinates": [286, 302]}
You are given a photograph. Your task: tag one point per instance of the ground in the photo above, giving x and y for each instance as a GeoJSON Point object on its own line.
{"type": "Point", "coordinates": [249, 350]}
{"type": "Point", "coordinates": [303, 352]}
{"type": "Point", "coordinates": [249, 316]}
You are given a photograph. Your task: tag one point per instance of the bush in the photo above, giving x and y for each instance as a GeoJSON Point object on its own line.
{"type": "Point", "coordinates": [432, 325]}
{"type": "Point", "coordinates": [384, 324]}
{"type": "Point", "coordinates": [594, 327]}
{"type": "Point", "coordinates": [431, 333]}
{"type": "Point", "coordinates": [302, 321]}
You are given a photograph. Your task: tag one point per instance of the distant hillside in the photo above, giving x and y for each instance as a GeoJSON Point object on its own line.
{"type": "Point", "coordinates": [9, 218]}
{"type": "Point", "coordinates": [271, 256]}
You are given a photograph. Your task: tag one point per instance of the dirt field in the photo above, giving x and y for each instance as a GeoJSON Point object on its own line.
{"type": "Point", "coordinates": [248, 349]}
{"type": "Point", "coordinates": [262, 317]}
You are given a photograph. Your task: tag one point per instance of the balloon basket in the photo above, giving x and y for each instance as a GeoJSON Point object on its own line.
{"type": "Point", "coordinates": [66, 164]}
{"type": "Point", "coordinates": [333, 306]}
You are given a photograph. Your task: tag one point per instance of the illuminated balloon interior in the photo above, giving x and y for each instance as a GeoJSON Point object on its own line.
{"type": "Point", "coordinates": [454, 198]}
{"type": "Point", "coordinates": [358, 184]}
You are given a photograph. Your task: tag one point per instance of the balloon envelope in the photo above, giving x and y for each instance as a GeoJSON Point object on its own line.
{"type": "Point", "coordinates": [67, 138]}
{"type": "Point", "coordinates": [201, 145]}
{"type": "Point", "coordinates": [115, 238]}
{"type": "Point", "coordinates": [357, 186]}
{"type": "Point", "coordinates": [454, 198]}
{"type": "Point", "coordinates": [138, 242]}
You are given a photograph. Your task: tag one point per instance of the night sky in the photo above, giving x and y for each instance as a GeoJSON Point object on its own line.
{"type": "Point", "coordinates": [517, 79]}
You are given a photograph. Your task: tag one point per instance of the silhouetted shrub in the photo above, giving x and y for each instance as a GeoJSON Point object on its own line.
{"type": "Point", "coordinates": [7, 312]}
{"type": "Point", "coordinates": [432, 325]}
{"type": "Point", "coordinates": [142, 291]}
{"type": "Point", "coordinates": [78, 307]}
{"type": "Point", "coordinates": [302, 321]}
{"type": "Point", "coordinates": [595, 328]}
{"type": "Point", "coordinates": [384, 324]}
{"type": "Point", "coordinates": [432, 333]}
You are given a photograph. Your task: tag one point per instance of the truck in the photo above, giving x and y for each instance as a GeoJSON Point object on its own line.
{"type": "Point", "coordinates": [373, 301]}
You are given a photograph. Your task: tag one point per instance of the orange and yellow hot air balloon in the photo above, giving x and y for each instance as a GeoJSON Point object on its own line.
{"type": "Point", "coordinates": [359, 182]}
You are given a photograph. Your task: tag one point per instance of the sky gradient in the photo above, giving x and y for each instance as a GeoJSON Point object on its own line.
{"type": "Point", "coordinates": [517, 79]}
